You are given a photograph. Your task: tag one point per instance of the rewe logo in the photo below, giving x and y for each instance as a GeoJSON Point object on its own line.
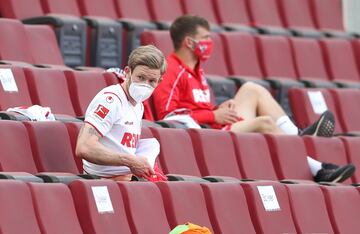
{"type": "Point", "coordinates": [201, 95]}
{"type": "Point", "coordinates": [130, 140]}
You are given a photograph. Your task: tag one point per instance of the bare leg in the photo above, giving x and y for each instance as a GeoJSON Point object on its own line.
{"type": "Point", "coordinates": [261, 124]}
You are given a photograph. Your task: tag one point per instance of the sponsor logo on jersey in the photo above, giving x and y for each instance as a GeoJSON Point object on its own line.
{"type": "Point", "coordinates": [129, 123]}
{"type": "Point", "coordinates": [101, 111]}
{"type": "Point", "coordinates": [200, 95]}
{"type": "Point", "coordinates": [130, 140]}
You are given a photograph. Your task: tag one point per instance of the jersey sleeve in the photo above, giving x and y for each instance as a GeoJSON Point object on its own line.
{"type": "Point", "coordinates": [103, 111]}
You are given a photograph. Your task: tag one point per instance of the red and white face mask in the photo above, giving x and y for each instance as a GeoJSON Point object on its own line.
{"type": "Point", "coordinates": [203, 49]}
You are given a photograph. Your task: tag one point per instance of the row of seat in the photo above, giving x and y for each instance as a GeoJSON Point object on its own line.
{"type": "Point", "coordinates": [35, 147]}
{"type": "Point", "coordinates": [104, 206]}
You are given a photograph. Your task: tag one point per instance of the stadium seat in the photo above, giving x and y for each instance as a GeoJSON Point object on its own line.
{"type": "Point", "coordinates": [234, 15]}
{"type": "Point", "coordinates": [9, 98]}
{"type": "Point", "coordinates": [54, 208]}
{"type": "Point", "coordinates": [227, 207]}
{"type": "Point", "coordinates": [221, 88]}
{"type": "Point", "coordinates": [343, 203]}
{"type": "Point", "coordinates": [16, 154]}
{"type": "Point", "coordinates": [203, 8]}
{"type": "Point", "coordinates": [268, 205]}
{"type": "Point", "coordinates": [184, 202]}
{"type": "Point", "coordinates": [160, 39]}
{"type": "Point", "coordinates": [99, 206]}
{"type": "Point", "coordinates": [346, 103]}
{"type": "Point", "coordinates": [254, 157]}
{"type": "Point", "coordinates": [341, 62]}
{"type": "Point", "coordinates": [171, 141]}
{"type": "Point", "coordinates": [144, 207]}
{"type": "Point", "coordinates": [51, 147]}
{"type": "Point", "coordinates": [289, 157]}
{"type": "Point", "coordinates": [266, 17]}
{"type": "Point", "coordinates": [307, 110]}
{"type": "Point", "coordinates": [329, 150]}
{"type": "Point", "coordinates": [73, 130]}
{"type": "Point", "coordinates": [48, 88]}
{"type": "Point", "coordinates": [309, 62]}
{"type": "Point", "coordinates": [165, 11]}
{"type": "Point", "coordinates": [17, 213]}
{"type": "Point", "coordinates": [353, 151]}
{"type": "Point", "coordinates": [306, 199]}
{"type": "Point", "coordinates": [297, 16]}
{"type": "Point", "coordinates": [20, 9]}
{"type": "Point", "coordinates": [80, 96]}
{"type": "Point", "coordinates": [212, 159]}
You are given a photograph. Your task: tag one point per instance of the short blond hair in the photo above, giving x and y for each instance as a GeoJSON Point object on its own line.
{"type": "Point", "coordinates": [149, 56]}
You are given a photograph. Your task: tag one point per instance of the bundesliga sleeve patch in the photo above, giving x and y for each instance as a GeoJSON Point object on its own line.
{"type": "Point", "coordinates": [101, 111]}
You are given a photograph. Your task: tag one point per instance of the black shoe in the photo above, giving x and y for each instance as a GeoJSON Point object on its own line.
{"type": "Point", "coordinates": [333, 173]}
{"type": "Point", "coordinates": [324, 126]}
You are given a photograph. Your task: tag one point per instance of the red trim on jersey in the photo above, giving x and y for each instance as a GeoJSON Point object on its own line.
{"type": "Point", "coordinates": [92, 125]}
{"type": "Point", "coordinates": [113, 94]}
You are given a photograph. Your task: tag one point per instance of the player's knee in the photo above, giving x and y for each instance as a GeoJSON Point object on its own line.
{"type": "Point", "coordinates": [253, 87]}
{"type": "Point", "coordinates": [265, 124]}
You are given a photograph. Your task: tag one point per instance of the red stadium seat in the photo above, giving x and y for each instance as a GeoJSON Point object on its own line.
{"type": "Point", "coordinates": [165, 11]}
{"type": "Point", "coordinates": [93, 8]}
{"type": "Point", "coordinates": [16, 154]}
{"type": "Point", "coordinates": [289, 157]}
{"type": "Point", "coordinates": [353, 151]}
{"type": "Point", "coordinates": [184, 202]}
{"type": "Point", "coordinates": [99, 206]}
{"type": "Point", "coordinates": [160, 39]}
{"type": "Point", "coordinates": [227, 208]}
{"type": "Point", "coordinates": [203, 8]}
{"type": "Point", "coordinates": [212, 159]}
{"type": "Point", "coordinates": [144, 207]}
{"type": "Point", "coordinates": [54, 208]}
{"type": "Point", "coordinates": [264, 217]}
{"type": "Point", "coordinates": [308, 199]}
{"type": "Point", "coordinates": [254, 157]}
{"type": "Point", "coordinates": [20, 9]}
{"type": "Point", "coordinates": [73, 130]}
{"type": "Point", "coordinates": [133, 9]}
{"type": "Point", "coordinates": [68, 7]}
{"type": "Point", "coordinates": [17, 214]}
{"type": "Point", "coordinates": [48, 87]}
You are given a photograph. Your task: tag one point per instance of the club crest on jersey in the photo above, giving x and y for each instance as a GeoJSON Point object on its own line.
{"type": "Point", "coordinates": [101, 111]}
{"type": "Point", "coordinates": [109, 99]}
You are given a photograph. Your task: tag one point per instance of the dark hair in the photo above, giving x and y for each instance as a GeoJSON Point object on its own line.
{"type": "Point", "coordinates": [186, 25]}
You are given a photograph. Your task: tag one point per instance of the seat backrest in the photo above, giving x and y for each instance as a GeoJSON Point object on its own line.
{"type": "Point", "coordinates": [352, 151]}
{"type": "Point", "coordinates": [346, 103]}
{"type": "Point", "coordinates": [269, 204]}
{"type": "Point", "coordinates": [328, 14]}
{"type": "Point", "coordinates": [340, 59]}
{"type": "Point", "coordinates": [81, 96]}
{"type": "Point", "coordinates": [64, 7]}
{"type": "Point", "coordinates": [73, 130]}
{"type": "Point", "coordinates": [305, 111]}
{"type": "Point", "coordinates": [184, 202]}
{"type": "Point", "coordinates": [343, 204]}
{"type": "Point", "coordinates": [160, 39]}
{"type": "Point", "coordinates": [43, 45]}
{"type": "Point", "coordinates": [20, 9]}
{"type": "Point", "coordinates": [297, 13]}
{"type": "Point", "coordinates": [227, 207]}
{"type": "Point", "coordinates": [51, 147]}
{"type": "Point", "coordinates": [254, 156]}
{"type": "Point", "coordinates": [244, 44]}
{"type": "Point", "coordinates": [52, 201]}
{"type": "Point", "coordinates": [265, 13]}
{"type": "Point", "coordinates": [14, 43]}
{"type": "Point", "coordinates": [203, 8]}
{"type": "Point", "coordinates": [144, 207]}
{"type": "Point", "coordinates": [232, 11]}
{"type": "Point", "coordinates": [216, 64]}
{"type": "Point", "coordinates": [105, 8]}
{"type": "Point", "coordinates": [99, 206]}
{"type": "Point", "coordinates": [48, 88]}
{"type": "Point", "coordinates": [10, 98]}
{"type": "Point", "coordinates": [133, 9]}
{"type": "Point", "coordinates": [289, 157]}
{"type": "Point", "coordinates": [176, 154]}
{"type": "Point", "coordinates": [17, 214]}
{"type": "Point", "coordinates": [309, 59]}
{"type": "Point", "coordinates": [212, 159]}
{"type": "Point", "coordinates": [165, 10]}
{"type": "Point", "coordinates": [308, 199]}
{"type": "Point", "coordinates": [276, 56]}
{"type": "Point", "coordinates": [16, 154]}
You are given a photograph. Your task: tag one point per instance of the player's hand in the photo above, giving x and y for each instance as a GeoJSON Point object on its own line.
{"type": "Point", "coordinates": [225, 116]}
{"type": "Point", "coordinates": [229, 104]}
{"type": "Point", "coordinates": [140, 167]}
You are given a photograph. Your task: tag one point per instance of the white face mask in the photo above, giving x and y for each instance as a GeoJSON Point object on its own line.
{"type": "Point", "coordinates": [140, 91]}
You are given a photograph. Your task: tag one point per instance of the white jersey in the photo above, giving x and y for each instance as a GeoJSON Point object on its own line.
{"type": "Point", "coordinates": [119, 124]}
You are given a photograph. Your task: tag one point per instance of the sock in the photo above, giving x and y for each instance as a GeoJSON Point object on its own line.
{"type": "Point", "coordinates": [287, 126]}
{"type": "Point", "coordinates": [314, 165]}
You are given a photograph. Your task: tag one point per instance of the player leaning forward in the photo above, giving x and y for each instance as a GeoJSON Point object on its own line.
{"type": "Point", "coordinates": [109, 142]}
